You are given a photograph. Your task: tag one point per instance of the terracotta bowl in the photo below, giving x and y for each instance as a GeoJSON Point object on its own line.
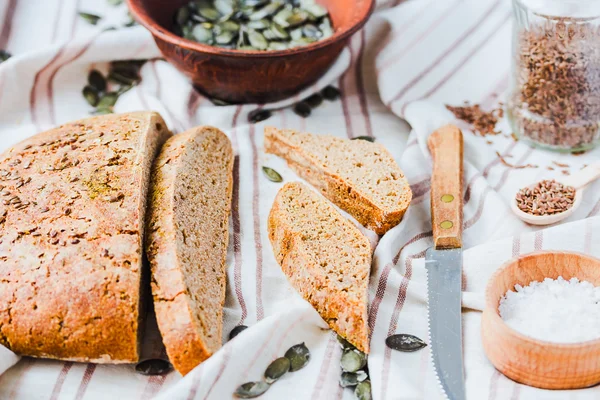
{"type": "Point", "coordinates": [237, 76]}
{"type": "Point", "coordinates": [534, 362]}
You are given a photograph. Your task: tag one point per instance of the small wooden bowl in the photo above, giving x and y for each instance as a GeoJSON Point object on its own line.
{"type": "Point", "coordinates": [237, 76]}
{"type": "Point", "coordinates": [530, 361]}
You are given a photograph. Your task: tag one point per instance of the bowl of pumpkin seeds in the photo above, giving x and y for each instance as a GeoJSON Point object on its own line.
{"type": "Point", "coordinates": [252, 51]}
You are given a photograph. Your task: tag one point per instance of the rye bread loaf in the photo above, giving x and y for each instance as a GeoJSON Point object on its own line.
{"type": "Point", "coordinates": [360, 177]}
{"type": "Point", "coordinates": [325, 257]}
{"type": "Point", "coordinates": [187, 242]}
{"type": "Point", "coordinates": [72, 212]}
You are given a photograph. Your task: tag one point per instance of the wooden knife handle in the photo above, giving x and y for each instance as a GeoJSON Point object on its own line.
{"type": "Point", "coordinates": [446, 147]}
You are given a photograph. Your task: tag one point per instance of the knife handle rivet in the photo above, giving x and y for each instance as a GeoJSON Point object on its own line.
{"type": "Point", "coordinates": [446, 224]}
{"type": "Point", "coordinates": [447, 198]}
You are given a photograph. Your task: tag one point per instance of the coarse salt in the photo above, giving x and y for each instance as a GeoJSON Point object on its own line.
{"type": "Point", "coordinates": [554, 310]}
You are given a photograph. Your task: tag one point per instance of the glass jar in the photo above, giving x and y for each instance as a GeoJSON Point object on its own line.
{"type": "Point", "coordinates": [554, 101]}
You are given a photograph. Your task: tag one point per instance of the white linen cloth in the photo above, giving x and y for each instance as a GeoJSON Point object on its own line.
{"type": "Point", "coordinates": [411, 59]}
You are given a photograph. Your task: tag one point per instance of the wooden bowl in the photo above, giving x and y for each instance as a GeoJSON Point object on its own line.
{"type": "Point", "coordinates": [237, 76]}
{"type": "Point", "coordinates": [530, 361]}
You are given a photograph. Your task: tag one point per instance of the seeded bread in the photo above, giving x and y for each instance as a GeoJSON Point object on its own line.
{"type": "Point", "coordinates": [360, 177]}
{"type": "Point", "coordinates": [187, 242]}
{"type": "Point", "coordinates": [325, 257]}
{"type": "Point", "coordinates": [72, 211]}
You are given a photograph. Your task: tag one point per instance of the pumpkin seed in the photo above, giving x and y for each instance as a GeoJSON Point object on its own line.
{"type": "Point", "coordinates": [259, 25]}
{"type": "Point", "coordinates": [277, 369]}
{"type": "Point", "coordinates": [311, 31]}
{"type": "Point", "coordinates": [316, 10]}
{"type": "Point", "coordinates": [229, 26]}
{"type": "Point", "coordinates": [224, 38]}
{"type": "Point", "coordinates": [296, 34]}
{"type": "Point", "coordinates": [279, 32]}
{"type": "Point", "coordinates": [363, 391]}
{"type": "Point", "coordinates": [96, 80]}
{"type": "Point", "coordinates": [90, 18]}
{"type": "Point", "coordinates": [4, 55]}
{"type": "Point", "coordinates": [299, 355]}
{"type": "Point", "coordinates": [302, 109]}
{"type": "Point", "coordinates": [277, 46]}
{"type": "Point", "coordinates": [297, 18]}
{"type": "Point", "coordinates": [259, 115]}
{"type": "Point", "coordinates": [108, 100]}
{"type": "Point", "coordinates": [346, 345]}
{"type": "Point", "coordinates": [248, 48]}
{"type": "Point", "coordinates": [254, 3]}
{"type": "Point", "coordinates": [201, 34]}
{"type": "Point", "coordinates": [352, 379]}
{"type": "Point", "coordinates": [114, 2]}
{"type": "Point", "coordinates": [367, 138]}
{"type": "Point", "coordinates": [250, 390]}
{"type": "Point", "coordinates": [281, 17]}
{"type": "Point", "coordinates": [273, 176]}
{"type": "Point", "coordinates": [225, 7]}
{"type": "Point", "coordinates": [266, 11]}
{"type": "Point", "coordinates": [353, 360]}
{"type": "Point", "coordinates": [257, 40]}
{"type": "Point", "coordinates": [314, 100]}
{"type": "Point", "coordinates": [326, 28]}
{"type": "Point", "coordinates": [211, 14]}
{"type": "Point", "coordinates": [153, 366]}
{"type": "Point", "coordinates": [405, 342]}
{"type": "Point", "coordinates": [91, 95]}
{"type": "Point", "coordinates": [236, 331]}
{"type": "Point", "coordinates": [331, 93]}
{"type": "Point", "coordinates": [121, 78]}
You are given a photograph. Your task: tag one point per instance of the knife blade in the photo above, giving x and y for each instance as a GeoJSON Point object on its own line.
{"type": "Point", "coordinates": [443, 261]}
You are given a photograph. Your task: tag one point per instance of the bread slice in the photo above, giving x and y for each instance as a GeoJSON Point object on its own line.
{"type": "Point", "coordinates": [360, 177]}
{"type": "Point", "coordinates": [72, 206]}
{"type": "Point", "coordinates": [187, 242]}
{"type": "Point", "coordinates": [325, 257]}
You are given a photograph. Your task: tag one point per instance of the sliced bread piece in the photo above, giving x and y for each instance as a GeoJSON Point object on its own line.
{"type": "Point", "coordinates": [325, 257]}
{"type": "Point", "coordinates": [187, 242]}
{"type": "Point", "coordinates": [71, 235]}
{"type": "Point", "coordinates": [360, 177]}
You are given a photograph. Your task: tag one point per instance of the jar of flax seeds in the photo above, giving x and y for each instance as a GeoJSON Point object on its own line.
{"type": "Point", "coordinates": [554, 101]}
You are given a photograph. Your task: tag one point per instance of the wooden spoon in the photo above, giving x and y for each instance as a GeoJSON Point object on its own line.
{"type": "Point", "coordinates": [578, 180]}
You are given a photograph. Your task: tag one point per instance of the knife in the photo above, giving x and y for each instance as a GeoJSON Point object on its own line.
{"type": "Point", "coordinates": [443, 261]}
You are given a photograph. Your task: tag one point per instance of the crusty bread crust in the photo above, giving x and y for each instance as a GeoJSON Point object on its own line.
{"type": "Point", "coordinates": [325, 257]}
{"type": "Point", "coordinates": [318, 170]}
{"type": "Point", "coordinates": [72, 204]}
{"type": "Point", "coordinates": [193, 167]}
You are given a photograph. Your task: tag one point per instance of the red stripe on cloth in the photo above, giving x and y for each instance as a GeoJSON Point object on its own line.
{"type": "Point", "coordinates": [256, 217]}
{"type": "Point", "coordinates": [195, 384]}
{"type": "Point", "coordinates": [360, 85]}
{"type": "Point", "coordinates": [85, 381]}
{"type": "Point", "coordinates": [33, 95]}
{"type": "Point", "coordinates": [193, 102]}
{"type": "Point", "coordinates": [493, 384]}
{"type": "Point", "coordinates": [331, 343]}
{"type": "Point", "coordinates": [438, 60]}
{"type": "Point", "coordinates": [538, 242]}
{"type": "Point", "coordinates": [62, 375]}
{"type": "Point", "coordinates": [420, 188]}
{"type": "Point", "coordinates": [29, 362]}
{"type": "Point", "coordinates": [226, 357]}
{"type": "Point", "coordinates": [516, 391]}
{"type": "Point", "coordinates": [516, 246]}
{"type": "Point", "coordinates": [235, 216]}
{"type": "Point", "coordinates": [278, 350]}
{"type": "Point", "coordinates": [7, 23]}
{"type": "Point", "coordinates": [345, 108]}
{"type": "Point", "coordinates": [595, 210]}
{"type": "Point", "coordinates": [465, 59]}
{"type": "Point", "coordinates": [394, 320]}
{"type": "Point", "coordinates": [470, 222]}
{"type": "Point", "coordinates": [430, 28]}
{"type": "Point", "coordinates": [182, 127]}
{"type": "Point", "coordinates": [268, 339]}
{"type": "Point", "coordinates": [382, 284]}
{"type": "Point", "coordinates": [153, 386]}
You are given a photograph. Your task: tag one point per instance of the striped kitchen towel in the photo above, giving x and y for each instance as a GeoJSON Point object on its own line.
{"type": "Point", "coordinates": [412, 58]}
